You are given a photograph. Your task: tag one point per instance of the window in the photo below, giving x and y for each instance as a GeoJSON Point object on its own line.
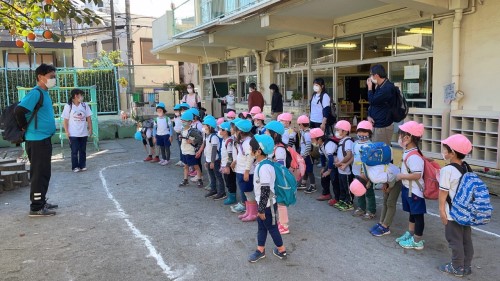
{"type": "Point", "coordinates": [322, 52]}
{"type": "Point", "coordinates": [414, 38]}
{"type": "Point", "coordinates": [377, 44]}
{"type": "Point", "coordinates": [284, 58]}
{"type": "Point", "coordinates": [299, 56]}
{"type": "Point", "coordinates": [107, 45]}
{"type": "Point", "coordinates": [348, 48]}
{"type": "Point", "coordinates": [411, 77]}
{"type": "Point", "coordinates": [44, 58]}
{"type": "Point", "coordinates": [146, 56]}
{"type": "Point", "coordinates": [89, 52]}
{"type": "Point", "coordinates": [248, 64]}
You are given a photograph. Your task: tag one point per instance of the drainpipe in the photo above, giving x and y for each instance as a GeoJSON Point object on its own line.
{"type": "Point", "coordinates": [455, 59]}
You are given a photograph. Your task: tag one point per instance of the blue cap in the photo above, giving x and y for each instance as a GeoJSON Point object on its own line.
{"type": "Point", "coordinates": [184, 105]}
{"type": "Point", "coordinates": [177, 107]}
{"type": "Point", "coordinates": [226, 126]}
{"type": "Point", "coordinates": [160, 105]}
{"type": "Point", "coordinates": [235, 120]}
{"type": "Point", "coordinates": [244, 125]}
{"type": "Point", "coordinates": [194, 111]}
{"type": "Point", "coordinates": [266, 143]}
{"type": "Point", "coordinates": [210, 122]}
{"type": "Point", "coordinates": [187, 116]}
{"type": "Point", "coordinates": [276, 126]}
{"type": "Point", "coordinates": [208, 117]}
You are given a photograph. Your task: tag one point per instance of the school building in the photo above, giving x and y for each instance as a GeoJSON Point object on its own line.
{"type": "Point", "coordinates": [441, 53]}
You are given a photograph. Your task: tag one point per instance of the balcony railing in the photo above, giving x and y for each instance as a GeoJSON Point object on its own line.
{"type": "Point", "coordinates": [194, 13]}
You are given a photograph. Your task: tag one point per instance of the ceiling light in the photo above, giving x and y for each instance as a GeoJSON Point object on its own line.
{"type": "Point", "coordinates": [420, 30]}
{"type": "Point", "coordinates": [341, 45]}
{"type": "Point", "coordinates": [400, 47]}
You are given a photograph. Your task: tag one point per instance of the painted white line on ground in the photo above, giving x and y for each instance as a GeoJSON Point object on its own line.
{"type": "Point", "coordinates": [137, 233]}
{"type": "Point", "coordinates": [437, 215]}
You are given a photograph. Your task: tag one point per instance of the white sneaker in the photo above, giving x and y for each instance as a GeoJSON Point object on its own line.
{"type": "Point", "coordinates": [83, 169]}
{"type": "Point", "coordinates": [180, 164]}
{"type": "Point", "coordinates": [194, 179]}
{"type": "Point", "coordinates": [76, 170]}
{"type": "Point", "coordinates": [161, 162]}
{"type": "Point", "coordinates": [165, 162]}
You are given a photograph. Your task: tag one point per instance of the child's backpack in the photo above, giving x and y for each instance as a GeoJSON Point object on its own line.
{"type": "Point", "coordinates": [285, 185]}
{"type": "Point", "coordinates": [196, 137]}
{"type": "Point", "coordinates": [381, 173]}
{"type": "Point", "coordinates": [149, 123]}
{"type": "Point", "coordinates": [342, 145]}
{"type": "Point", "coordinates": [471, 205]}
{"type": "Point", "coordinates": [377, 153]}
{"type": "Point", "coordinates": [219, 151]}
{"type": "Point", "coordinates": [8, 122]}
{"type": "Point", "coordinates": [430, 176]}
{"type": "Point", "coordinates": [294, 162]}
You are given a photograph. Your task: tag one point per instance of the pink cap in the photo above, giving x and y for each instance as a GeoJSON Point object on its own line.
{"type": "Point", "coordinates": [303, 119]}
{"type": "Point", "coordinates": [458, 143]}
{"type": "Point", "coordinates": [343, 125]}
{"type": "Point", "coordinates": [366, 125]}
{"type": "Point", "coordinates": [259, 116]}
{"type": "Point", "coordinates": [220, 121]}
{"type": "Point", "coordinates": [316, 133]}
{"type": "Point", "coordinates": [231, 114]}
{"type": "Point", "coordinates": [285, 117]}
{"type": "Point", "coordinates": [357, 188]}
{"type": "Point", "coordinates": [413, 128]}
{"type": "Point", "coordinates": [245, 114]}
{"type": "Point", "coordinates": [255, 110]}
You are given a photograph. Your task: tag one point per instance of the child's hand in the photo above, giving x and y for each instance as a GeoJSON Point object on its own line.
{"type": "Point", "coordinates": [212, 165]}
{"type": "Point", "coordinates": [399, 177]}
{"type": "Point", "coordinates": [342, 166]}
{"type": "Point", "coordinates": [154, 140]}
{"type": "Point", "coordinates": [385, 188]}
{"type": "Point", "coordinates": [337, 164]}
{"type": "Point", "coordinates": [226, 170]}
{"type": "Point", "coordinates": [170, 139]}
{"type": "Point", "coordinates": [325, 174]}
{"type": "Point", "coordinates": [198, 154]}
{"type": "Point", "coordinates": [444, 219]}
{"type": "Point", "coordinates": [233, 165]}
{"type": "Point", "coordinates": [262, 216]}
{"type": "Point", "coordinates": [246, 176]}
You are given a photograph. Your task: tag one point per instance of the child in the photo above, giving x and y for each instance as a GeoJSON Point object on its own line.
{"type": "Point", "coordinates": [413, 200]}
{"type": "Point", "coordinates": [231, 115]}
{"type": "Point", "coordinates": [245, 168]}
{"type": "Point", "coordinates": [240, 207]}
{"type": "Point", "coordinates": [327, 151]}
{"type": "Point", "coordinates": [366, 203]}
{"type": "Point", "coordinates": [178, 130]}
{"type": "Point", "coordinates": [263, 182]}
{"type": "Point", "coordinates": [227, 159]}
{"type": "Point", "coordinates": [275, 129]}
{"type": "Point", "coordinates": [198, 126]}
{"type": "Point", "coordinates": [454, 149]}
{"type": "Point", "coordinates": [163, 130]}
{"type": "Point", "coordinates": [259, 123]}
{"type": "Point", "coordinates": [344, 156]}
{"type": "Point", "coordinates": [147, 138]}
{"type": "Point", "coordinates": [255, 110]}
{"type": "Point", "coordinates": [212, 159]}
{"type": "Point", "coordinates": [289, 136]}
{"type": "Point", "coordinates": [305, 150]}
{"type": "Point", "coordinates": [188, 150]}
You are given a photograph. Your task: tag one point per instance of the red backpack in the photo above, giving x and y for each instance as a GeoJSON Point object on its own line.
{"type": "Point", "coordinates": [430, 176]}
{"type": "Point", "coordinates": [296, 164]}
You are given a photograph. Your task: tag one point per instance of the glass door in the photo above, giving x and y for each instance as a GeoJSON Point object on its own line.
{"type": "Point", "coordinates": [412, 78]}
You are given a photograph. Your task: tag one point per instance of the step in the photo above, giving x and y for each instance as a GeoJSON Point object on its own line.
{"type": "Point", "coordinates": [7, 161]}
{"type": "Point", "coordinates": [13, 179]}
{"type": "Point", "coordinates": [13, 167]}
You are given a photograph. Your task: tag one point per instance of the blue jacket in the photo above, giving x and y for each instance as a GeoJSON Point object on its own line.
{"type": "Point", "coordinates": [381, 101]}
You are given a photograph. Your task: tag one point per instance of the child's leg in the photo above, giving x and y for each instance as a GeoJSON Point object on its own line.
{"type": "Point", "coordinates": [325, 184]}
{"type": "Point", "coordinates": [454, 234]}
{"type": "Point", "coordinates": [272, 227]}
{"type": "Point", "coordinates": [196, 167]}
{"type": "Point", "coordinates": [342, 187]}
{"type": "Point", "coordinates": [221, 188]}
{"type": "Point", "coordinates": [213, 181]}
{"type": "Point", "coordinates": [310, 170]}
{"type": "Point", "coordinates": [162, 150]}
{"type": "Point", "coordinates": [418, 227]}
{"type": "Point", "coordinates": [334, 177]}
{"type": "Point", "coordinates": [362, 201]}
{"type": "Point", "coordinates": [231, 182]}
{"type": "Point", "coordinates": [167, 149]}
{"type": "Point", "coordinates": [283, 215]}
{"type": "Point", "coordinates": [370, 200]}
{"type": "Point", "coordinates": [261, 235]}
{"type": "Point", "coordinates": [392, 199]}
{"type": "Point", "coordinates": [186, 172]}
{"type": "Point", "coordinates": [468, 247]}
{"type": "Point", "coordinates": [411, 224]}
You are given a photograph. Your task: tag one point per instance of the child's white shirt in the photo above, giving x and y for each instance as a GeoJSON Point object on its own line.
{"type": "Point", "coordinates": [266, 177]}
{"type": "Point", "coordinates": [162, 126]}
{"type": "Point", "coordinates": [356, 165]}
{"type": "Point", "coordinates": [177, 124]}
{"type": "Point", "coordinates": [449, 179]}
{"type": "Point", "coordinates": [340, 156]}
{"type": "Point", "coordinates": [244, 160]}
{"type": "Point", "coordinates": [416, 165]}
{"type": "Point", "coordinates": [210, 141]}
{"type": "Point", "coordinates": [225, 151]}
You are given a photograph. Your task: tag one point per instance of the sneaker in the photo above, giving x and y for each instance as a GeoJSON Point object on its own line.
{"type": "Point", "coordinates": [358, 213]}
{"type": "Point", "coordinates": [404, 237]}
{"type": "Point", "coordinates": [332, 202]}
{"type": "Point", "coordinates": [302, 186]}
{"type": "Point", "coordinates": [338, 205]}
{"type": "Point", "coordinates": [283, 229]}
{"type": "Point", "coordinates": [185, 182]}
{"type": "Point", "coordinates": [155, 160]}
{"type": "Point", "coordinates": [180, 164]}
{"type": "Point", "coordinates": [467, 270]}
{"type": "Point", "coordinates": [324, 197]}
{"type": "Point", "coordinates": [346, 207]}
{"type": "Point", "coordinates": [210, 194]}
{"type": "Point", "coordinates": [76, 170]}
{"type": "Point", "coordinates": [280, 255]}
{"type": "Point", "coordinates": [377, 225]}
{"type": "Point", "coordinates": [44, 212]}
{"type": "Point", "coordinates": [200, 183]}
{"type": "Point", "coordinates": [238, 208]}
{"type": "Point", "coordinates": [381, 231]}
{"type": "Point", "coordinates": [83, 169]}
{"type": "Point", "coordinates": [50, 206]}
{"type": "Point", "coordinates": [208, 187]}
{"type": "Point", "coordinates": [448, 268]}
{"type": "Point", "coordinates": [368, 216]}
{"type": "Point", "coordinates": [147, 159]}
{"type": "Point", "coordinates": [311, 189]}
{"type": "Point", "coordinates": [411, 244]}
{"type": "Point", "coordinates": [220, 197]}
{"type": "Point", "coordinates": [256, 256]}
{"type": "Point", "coordinates": [194, 179]}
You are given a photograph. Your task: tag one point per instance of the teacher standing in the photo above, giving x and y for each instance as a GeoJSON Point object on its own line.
{"type": "Point", "coordinates": [255, 98]}
{"type": "Point", "coordinates": [381, 98]}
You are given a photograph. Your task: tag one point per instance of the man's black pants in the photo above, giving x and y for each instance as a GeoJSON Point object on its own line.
{"type": "Point", "coordinates": [39, 154]}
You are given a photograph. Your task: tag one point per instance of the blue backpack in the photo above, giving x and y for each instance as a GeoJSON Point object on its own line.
{"type": "Point", "coordinates": [285, 185]}
{"type": "Point", "coordinates": [471, 205]}
{"type": "Point", "coordinates": [376, 153]}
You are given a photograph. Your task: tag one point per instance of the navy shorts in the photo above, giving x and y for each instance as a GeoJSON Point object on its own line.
{"type": "Point", "coordinates": [414, 205]}
{"type": "Point", "coordinates": [150, 141]}
{"type": "Point", "coordinates": [245, 186]}
{"type": "Point", "coordinates": [163, 140]}
{"type": "Point", "coordinates": [189, 160]}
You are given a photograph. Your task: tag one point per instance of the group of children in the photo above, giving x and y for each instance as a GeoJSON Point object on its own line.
{"type": "Point", "coordinates": [236, 148]}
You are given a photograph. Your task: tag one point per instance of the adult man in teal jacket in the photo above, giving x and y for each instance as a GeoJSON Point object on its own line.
{"type": "Point", "coordinates": [38, 134]}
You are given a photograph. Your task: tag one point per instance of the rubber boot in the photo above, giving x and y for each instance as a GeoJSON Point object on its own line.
{"type": "Point", "coordinates": [246, 212]}
{"type": "Point", "coordinates": [283, 215]}
{"type": "Point", "coordinates": [231, 199]}
{"type": "Point", "coordinates": [252, 214]}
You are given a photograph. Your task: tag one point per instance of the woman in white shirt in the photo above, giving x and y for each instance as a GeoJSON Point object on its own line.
{"type": "Point", "coordinates": [78, 126]}
{"type": "Point", "coordinates": [320, 106]}
{"type": "Point", "coordinates": [192, 98]}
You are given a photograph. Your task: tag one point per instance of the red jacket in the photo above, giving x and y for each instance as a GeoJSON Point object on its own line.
{"type": "Point", "coordinates": [255, 99]}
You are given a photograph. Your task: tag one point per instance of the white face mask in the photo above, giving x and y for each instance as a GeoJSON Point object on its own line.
{"type": "Point", "coordinates": [231, 93]}
{"type": "Point", "coordinates": [190, 91]}
{"type": "Point", "coordinates": [51, 83]}
{"type": "Point", "coordinates": [316, 88]}
{"type": "Point", "coordinates": [401, 143]}
{"type": "Point", "coordinates": [80, 99]}
{"type": "Point", "coordinates": [338, 135]}
{"type": "Point", "coordinates": [374, 80]}
{"type": "Point", "coordinates": [315, 144]}
{"type": "Point", "coordinates": [177, 114]}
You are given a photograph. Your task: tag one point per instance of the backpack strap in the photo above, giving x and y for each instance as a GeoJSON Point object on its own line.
{"type": "Point", "coordinates": [35, 110]}
{"type": "Point", "coordinates": [271, 193]}
{"type": "Point", "coordinates": [464, 168]}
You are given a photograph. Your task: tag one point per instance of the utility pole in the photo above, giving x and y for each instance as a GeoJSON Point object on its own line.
{"type": "Point", "coordinates": [130, 50]}
{"type": "Point", "coordinates": [113, 31]}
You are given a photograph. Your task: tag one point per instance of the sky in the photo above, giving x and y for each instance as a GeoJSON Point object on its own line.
{"type": "Point", "coordinates": [152, 8]}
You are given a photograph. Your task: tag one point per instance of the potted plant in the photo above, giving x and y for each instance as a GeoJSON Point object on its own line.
{"type": "Point", "coordinates": [491, 179]}
{"type": "Point", "coordinates": [296, 97]}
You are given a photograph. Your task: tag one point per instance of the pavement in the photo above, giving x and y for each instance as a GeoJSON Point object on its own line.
{"type": "Point", "coordinates": [128, 220]}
